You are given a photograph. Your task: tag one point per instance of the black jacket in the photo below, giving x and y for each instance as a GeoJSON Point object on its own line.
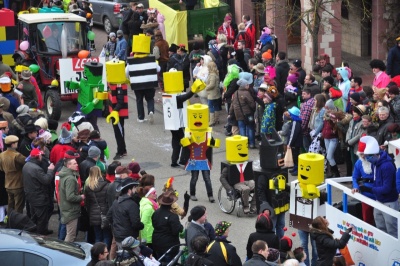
{"type": "Point", "coordinates": [124, 215]}
{"type": "Point", "coordinates": [217, 257]}
{"type": "Point", "coordinates": [166, 229]}
{"type": "Point", "coordinates": [295, 138]}
{"type": "Point", "coordinates": [112, 193]}
{"type": "Point", "coordinates": [232, 88]}
{"type": "Point", "coordinates": [198, 260]}
{"type": "Point", "coordinates": [269, 237]}
{"type": "Point", "coordinates": [327, 245]}
{"type": "Point", "coordinates": [94, 207]}
{"type": "Point", "coordinates": [84, 168]}
{"type": "Point", "coordinates": [25, 146]}
{"type": "Point", "coordinates": [282, 72]}
{"type": "Point", "coordinates": [37, 183]}
{"type": "Point", "coordinates": [256, 260]}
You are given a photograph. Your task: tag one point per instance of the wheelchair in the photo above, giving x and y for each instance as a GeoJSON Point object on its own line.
{"type": "Point", "coordinates": [228, 206]}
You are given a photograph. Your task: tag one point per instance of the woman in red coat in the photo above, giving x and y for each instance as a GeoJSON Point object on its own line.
{"type": "Point", "coordinates": [227, 29]}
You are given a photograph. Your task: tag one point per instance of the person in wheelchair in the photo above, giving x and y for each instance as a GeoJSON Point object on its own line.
{"type": "Point", "coordinates": [237, 172]}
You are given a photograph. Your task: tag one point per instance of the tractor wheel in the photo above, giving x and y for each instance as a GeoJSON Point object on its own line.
{"type": "Point", "coordinates": [52, 103]}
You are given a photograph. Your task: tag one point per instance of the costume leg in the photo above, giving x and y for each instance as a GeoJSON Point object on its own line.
{"type": "Point", "coordinates": [177, 135]}
{"type": "Point", "coordinates": [193, 181]}
{"type": "Point", "coordinates": [119, 133]}
{"type": "Point", "coordinates": [207, 180]}
{"type": "Point", "coordinates": [139, 103]}
{"type": "Point", "coordinates": [245, 191]}
{"type": "Point", "coordinates": [149, 96]}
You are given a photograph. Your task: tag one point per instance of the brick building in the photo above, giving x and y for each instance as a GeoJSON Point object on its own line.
{"type": "Point", "coordinates": [344, 28]}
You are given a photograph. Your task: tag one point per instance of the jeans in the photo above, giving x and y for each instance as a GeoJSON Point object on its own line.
{"type": "Point", "coordinates": [330, 145]}
{"type": "Point", "coordinates": [278, 222]}
{"type": "Point", "coordinates": [304, 243]}
{"type": "Point", "coordinates": [306, 142]}
{"type": "Point", "coordinates": [247, 131]}
{"type": "Point", "coordinates": [62, 228]}
{"type": "Point", "coordinates": [386, 222]}
{"type": "Point", "coordinates": [206, 178]}
{"type": "Point", "coordinates": [148, 95]}
{"type": "Point", "coordinates": [214, 105]}
{"type": "Point", "coordinates": [102, 235]}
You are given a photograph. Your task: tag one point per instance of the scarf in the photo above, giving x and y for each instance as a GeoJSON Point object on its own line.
{"type": "Point", "coordinates": [248, 24]}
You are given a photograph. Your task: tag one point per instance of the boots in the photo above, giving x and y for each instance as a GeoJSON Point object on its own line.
{"type": "Point", "coordinates": [212, 120]}
{"type": "Point", "coordinates": [216, 117]}
{"type": "Point", "coordinates": [335, 171]}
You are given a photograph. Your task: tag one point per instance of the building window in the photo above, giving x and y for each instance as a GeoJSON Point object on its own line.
{"type": "Point", "coordinates": [345, 10]}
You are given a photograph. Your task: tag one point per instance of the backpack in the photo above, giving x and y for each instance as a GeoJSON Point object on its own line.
{"type": "Point", "coordinates": [178, 63]}
{"type": "Point", "coordinates": [217, 55]}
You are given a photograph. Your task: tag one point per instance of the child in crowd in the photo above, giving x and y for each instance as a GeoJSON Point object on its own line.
{"type": "Point", "coordinates": [286, 252]}
{"type": "Point", "coordinates": [286, 128]}
{"type": "Point", "coordinates": [291, 90]}
{"type": "Point", "coordinates": [300, 256]}
{"type": "Point", "coordinates": [96, 140]}
{"type": "Point", "coordinates": [134, 167]}
{"type": "Point", "coordinates": [295, 141]}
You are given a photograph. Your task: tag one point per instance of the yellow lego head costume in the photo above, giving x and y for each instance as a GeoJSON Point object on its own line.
{"type": "Point", "coordinates": [173, 81]}
{"type": "Point", "coordinates": [141, 44]}
{"type": "Point", "coordinates": [310, 174]}
{"type": "Point", "coordinates": [237, 149]}
{"type": "Point", "coordinates": [197, 117]}
{"type": "Point", "coordinates": [115, 71]}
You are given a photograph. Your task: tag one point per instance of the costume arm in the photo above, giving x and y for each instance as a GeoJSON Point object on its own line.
{"type": "Point", "coordinates": [224, 179]}
{"type": "Point", "coordinates": [388, 173]}
{"type": "Point", "coordinates": [356, 175]}
{"type": "Point", "coordinates": [184, 97]}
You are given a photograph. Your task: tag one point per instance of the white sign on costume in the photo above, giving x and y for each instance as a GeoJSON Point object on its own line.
{"type": "Point", "coordinates": [71, 69]}
{"type": "Point", "coordinates": [174, 117]}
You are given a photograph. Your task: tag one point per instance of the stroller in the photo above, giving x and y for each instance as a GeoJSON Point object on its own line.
{"type": "Point", "coordinates": [182, 255]}
{"type": "Point", "coordinates": [16, 220]}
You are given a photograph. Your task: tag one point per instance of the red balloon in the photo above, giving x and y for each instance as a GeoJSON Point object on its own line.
{"type": "Point", "coordinates": [46, 31]}
{"type": "Point", "coordinates": [294, 234]}
{"type": "Point", "coordinates": [285, 228]}
{"type": "Point", "coordinates": [83, 54]}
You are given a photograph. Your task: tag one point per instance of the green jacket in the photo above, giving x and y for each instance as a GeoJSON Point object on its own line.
{"type": "Point", "coordinates": [146, 211]}
{"type": "Point", "coordinates": [70, 198]}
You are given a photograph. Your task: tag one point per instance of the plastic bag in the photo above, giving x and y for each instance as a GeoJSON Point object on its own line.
{"type": "Point", "coordinates": [288, 160]}
{"type": "Point", "coordinates": [103, 52]}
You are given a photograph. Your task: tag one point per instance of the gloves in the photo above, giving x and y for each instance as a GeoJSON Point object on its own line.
{"type": "Point", "coordinates": [186, 202]}
{"type": "Point", "coordinates": [365, 189]}
{"type": "Point", "coordinates": [115, 115]}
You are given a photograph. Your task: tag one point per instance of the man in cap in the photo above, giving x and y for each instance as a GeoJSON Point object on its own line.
{"type": "Point", "coordinates": [124, 213]}
{"type": "Point", "coordinates": [11, 163]}
{"type": "Point", "coordinates": [30, 133]}
{"type": "Point", "coordinates": [305, 114]}
{"type": "Point", "coordinates": [37, 183]}
{"type": "Point", "coordinates": [196, 228]}
{"type": "Point", "coordinates": [70, 197]}
{"type": "Point", "coordinates": [89, 162]}
{"type": "Point", "coordinates": [122, 46]}
{"type": "Point", "coordinates": [142, 14]}
{"type": "Point", "coordinates": [384, 185]}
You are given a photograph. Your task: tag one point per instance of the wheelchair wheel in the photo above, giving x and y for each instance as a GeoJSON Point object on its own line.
{"type": "Point", "coordinates": [226, 205]}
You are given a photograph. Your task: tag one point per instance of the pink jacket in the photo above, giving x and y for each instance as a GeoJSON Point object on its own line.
{"type": "Point", "coordinates": [381, 81]}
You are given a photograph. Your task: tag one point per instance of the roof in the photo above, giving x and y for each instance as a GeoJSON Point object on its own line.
{"type": "Point", "coordinates": [49, 17]}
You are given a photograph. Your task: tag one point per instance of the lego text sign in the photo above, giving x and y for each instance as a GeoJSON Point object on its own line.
{"type": "Point", "coordinates": [71, 69]}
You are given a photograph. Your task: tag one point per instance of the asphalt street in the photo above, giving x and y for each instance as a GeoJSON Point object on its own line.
{"type": "Point", "coordinates": [149, 145]}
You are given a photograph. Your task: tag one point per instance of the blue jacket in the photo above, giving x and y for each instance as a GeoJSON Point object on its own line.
{"type": "Point", "coordinates": [358, 173]}
{"type": "Point", "coordinates": [398, 180]}
{"type": "Point", "coordinates": [393, 61]}
{"type": "Point", "coordinates": [384, 187]}
{"type": "Point", "coordinates": [120, 50]}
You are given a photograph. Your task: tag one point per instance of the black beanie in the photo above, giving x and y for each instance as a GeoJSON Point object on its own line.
{"type": "Point", "coordinates": [330, 80]}
{"type": "Point", "coordinates": [197, 212]}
